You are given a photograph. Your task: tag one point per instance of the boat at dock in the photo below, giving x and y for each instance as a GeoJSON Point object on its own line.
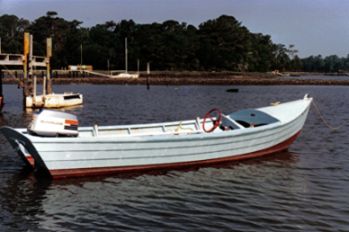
{"type": "Point", "coordinates": [125, 75]}
{"type": "Point", "coordinates": [54, 100]}
{"type": "Point", "coordinates": [54, 144]}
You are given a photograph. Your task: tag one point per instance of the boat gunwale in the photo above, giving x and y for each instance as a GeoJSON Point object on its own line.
{"type": "Point", "coordinates": [165, 138]}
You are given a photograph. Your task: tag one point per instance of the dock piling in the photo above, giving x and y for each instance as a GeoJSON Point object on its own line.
{"type": "Point", "coordinates": [28, 61]}
{"type": "Point", "coordinates": [48, 83]}
{"type": "Point", "coordinates": [1, 94]}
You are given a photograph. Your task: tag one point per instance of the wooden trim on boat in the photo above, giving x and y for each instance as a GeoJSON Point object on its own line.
{"type": "Point", "coordinates": [81, 172]}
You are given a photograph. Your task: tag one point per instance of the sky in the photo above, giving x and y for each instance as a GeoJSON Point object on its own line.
{"type": "Point", "coordinates": [313, 26]}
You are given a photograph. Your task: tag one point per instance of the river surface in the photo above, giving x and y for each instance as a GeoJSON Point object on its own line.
{"type": "Point", "coordinates": [303, 189]}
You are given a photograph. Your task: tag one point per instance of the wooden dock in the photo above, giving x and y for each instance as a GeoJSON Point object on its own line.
{"type": "Point", "coordinates": [27, 61]}
{"type": "Point", "coordinates": [19, 59]}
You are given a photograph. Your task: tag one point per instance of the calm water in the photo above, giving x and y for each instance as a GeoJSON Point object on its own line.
{"type": "Point", "coordinates": [304, 189]}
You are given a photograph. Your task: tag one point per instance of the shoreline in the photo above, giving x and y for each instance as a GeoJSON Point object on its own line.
{"type": "Point", "coordinates": [188, 80]}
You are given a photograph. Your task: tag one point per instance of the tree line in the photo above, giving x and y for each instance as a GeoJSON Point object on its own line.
{"type": "Point", "coordinates": [220, 44]}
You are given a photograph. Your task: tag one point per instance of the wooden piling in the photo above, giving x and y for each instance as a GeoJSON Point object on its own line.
{"type": "Point", "coordinates": [28, 62]}
{"type": "Point", "coordinates": [34, 90]}
{"type": "Point", "coordinates": [48, 85]}
{"type": "Point", "coordinates": [26, 48]}
{"type": "Point", "coordinates": [148, 84]}
{"type": "Point", "coordinates": [1, 94]}
{"type": "Point", "coordinates": [28, 83]}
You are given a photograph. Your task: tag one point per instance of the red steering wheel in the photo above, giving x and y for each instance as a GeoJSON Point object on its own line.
{"type": "Point", "coordinates": [216, 121]}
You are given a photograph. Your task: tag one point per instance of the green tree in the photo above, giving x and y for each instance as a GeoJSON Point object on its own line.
{"type": "Point", "coordinates": [296, 64]}
{"type": "Point", "coordinates": [261, 53]}
{"type": "Point", "coordinates": [281, 58]}
{"type": "Point", "coordinates": [11, 33]}
{"type": "Point", "coordinates": [223, 44]}
{"type": "Point", "coordinates": [61, 32]}
{"type": "Point", "coordinates": [332, 63]}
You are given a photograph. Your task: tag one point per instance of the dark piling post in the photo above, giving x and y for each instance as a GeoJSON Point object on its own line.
{"type": "Point", "coordinates": [148, 73]}
{"type": "Point", "coordinates": [1, 94]}
{"type": "Point", "coordinates": [148, 84]}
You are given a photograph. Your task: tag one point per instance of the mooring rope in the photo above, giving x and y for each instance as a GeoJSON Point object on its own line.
{"type": "Point", "coordinates": [323, 118]}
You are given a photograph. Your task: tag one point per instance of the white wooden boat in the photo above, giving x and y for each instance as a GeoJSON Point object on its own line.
{"type": "Point", "coordinates": [109, 149]}
{"type": "Point", "coordinates": [54, 100]}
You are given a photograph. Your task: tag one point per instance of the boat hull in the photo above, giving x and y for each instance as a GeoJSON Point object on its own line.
{"type": "Point", "coordinates": [54, 100]}
{"type": "Point", "coordinates": [81, 172]}
{"type": "Point", "coordinates": [98, 154]}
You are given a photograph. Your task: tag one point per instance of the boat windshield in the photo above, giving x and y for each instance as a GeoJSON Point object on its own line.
{"type": "Point", "coordinates": [228, 124]}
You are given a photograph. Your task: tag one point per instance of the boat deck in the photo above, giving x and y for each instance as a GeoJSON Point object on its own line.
{"type": "Point", "coordinates": [170, 128]}
{"type": "Point", "coordinates": [182, 127]}
{"type": "Point", "coordinates": [239, 120]}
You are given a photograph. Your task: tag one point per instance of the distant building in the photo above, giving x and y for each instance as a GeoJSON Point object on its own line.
{"type": "Point", "coordinates": [80, 67]}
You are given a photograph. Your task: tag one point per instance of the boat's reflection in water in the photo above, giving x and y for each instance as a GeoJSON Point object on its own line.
{"type": "Point", "coordinates": [51, 202]}
{"type": "Point", "coordinates": [283, 158]}
{"type": "Point", "coordinates": [71, 109]}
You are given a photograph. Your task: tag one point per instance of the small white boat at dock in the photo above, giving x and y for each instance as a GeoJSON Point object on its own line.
{"type": "Point", "coordinates": [64, 150]}
{"type": "Point", "coordinates": [54, 100]}
{"type": "Point", "coordinates": [125, 75]}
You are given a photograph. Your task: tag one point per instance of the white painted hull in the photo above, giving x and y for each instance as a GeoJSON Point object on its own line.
{"type": "Point", "coordinates": [91, 155]}
{"type": "Point", "coordinates": [125, 75]}
{"type": "Point", "coordinates": [54, 100]}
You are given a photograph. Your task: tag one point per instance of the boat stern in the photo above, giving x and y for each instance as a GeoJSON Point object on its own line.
{"type": "Point", "coordinates": [25, 149]}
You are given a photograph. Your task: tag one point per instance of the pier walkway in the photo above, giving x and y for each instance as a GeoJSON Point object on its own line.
{"type": "Point", "coordinates": [18, 59]}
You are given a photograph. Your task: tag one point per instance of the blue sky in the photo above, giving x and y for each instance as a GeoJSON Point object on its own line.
{"type": "Point", "coordinates": [313, 26]}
